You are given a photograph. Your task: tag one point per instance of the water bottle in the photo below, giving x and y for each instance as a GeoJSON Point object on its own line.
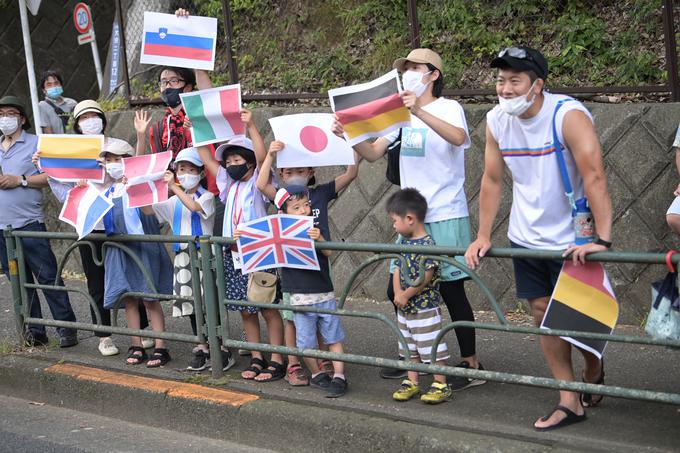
{"type": "Point", "coordinates": [584, 224]}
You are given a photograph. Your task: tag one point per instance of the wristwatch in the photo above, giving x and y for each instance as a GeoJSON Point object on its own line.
{"type": "Point", "coordinates": [600, 241]}
{"type": "Point", "coordinates": [24, 181]}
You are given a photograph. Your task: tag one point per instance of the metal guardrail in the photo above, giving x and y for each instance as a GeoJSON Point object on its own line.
{"type": "Point", "coordinates": [214, 325]}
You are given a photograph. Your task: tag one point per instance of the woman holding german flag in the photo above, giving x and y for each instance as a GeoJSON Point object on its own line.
{"type": "Point", "coordinates": [431, 159]}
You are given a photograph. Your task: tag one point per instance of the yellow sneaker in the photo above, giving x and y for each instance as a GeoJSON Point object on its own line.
{"type": "Point", "coordinates": [438, 393]}
{"type": "Point", "coordinates": [407, 391]}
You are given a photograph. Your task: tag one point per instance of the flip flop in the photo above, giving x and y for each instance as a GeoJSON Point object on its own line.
{"type": "Point", "coordinates": [587, 398]}
{"type": "Point", "coordinates": [570, 419]}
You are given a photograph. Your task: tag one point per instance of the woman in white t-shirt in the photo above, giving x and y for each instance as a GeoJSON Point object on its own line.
{"type": "Point", "coordinates": [432, 160]}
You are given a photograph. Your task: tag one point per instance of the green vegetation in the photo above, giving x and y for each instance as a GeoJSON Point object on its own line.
{"type": "Point", "coordinates": [313, 45]}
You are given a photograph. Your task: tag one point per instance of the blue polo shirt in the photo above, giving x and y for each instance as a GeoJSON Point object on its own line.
{"type": "Point", "coordinates": [21, 205]}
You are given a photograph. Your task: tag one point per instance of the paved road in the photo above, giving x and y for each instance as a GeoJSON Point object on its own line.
{"type": "Point", "coordinates": [30, 427]}
{"type": "Point", "coordinates": [496, 409]}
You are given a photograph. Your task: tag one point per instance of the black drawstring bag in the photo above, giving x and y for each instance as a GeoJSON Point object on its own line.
{"type": "Point", "coordinates": [392, 172]}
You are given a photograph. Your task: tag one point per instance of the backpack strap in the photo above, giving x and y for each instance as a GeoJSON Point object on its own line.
{"type": "Point", "coordinates": [568, 190]}
{"type": "Point", "coordinates": [63, 116]}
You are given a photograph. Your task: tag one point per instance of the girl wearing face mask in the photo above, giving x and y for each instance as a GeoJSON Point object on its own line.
{"type": "Point", "coordinates": [122, 274]}
{"type": "Point", "coordinates": [191, 212]}
{"type": "Point", "coordinates": [432, 160]}
{"type": "Point", "coordinates": [236, 174]}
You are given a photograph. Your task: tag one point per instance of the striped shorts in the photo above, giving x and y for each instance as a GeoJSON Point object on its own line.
{"type": "Point", "coordinates": [420, 329]}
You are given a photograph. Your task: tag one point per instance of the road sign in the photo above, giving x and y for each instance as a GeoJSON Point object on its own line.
{"type": "Point", "coordinates": [82, 18]}
{"type": "Point", "coordinates": [86, 37]}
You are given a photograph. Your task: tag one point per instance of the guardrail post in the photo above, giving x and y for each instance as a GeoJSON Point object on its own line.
{"type": "Point", "coordinates": [211, 307]}
{"type": "Point", "coordinates": [10, 243]}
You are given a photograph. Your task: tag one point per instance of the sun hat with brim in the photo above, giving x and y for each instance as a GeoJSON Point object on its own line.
{"type": "Point", "coordinates": [522, 58]}
{"type": "Point", "coordinates": [189, 155]}
{"type": "Point", "coordinates": [116, 146]}
{"type": "Point", "coordinates": [17, 103]}
{"type": "Point", "coordinates": [240, 145]}
{"type": "Point", "coordinates": [87, 106]}
{"type": "Point", "coordinates": [423, 56]}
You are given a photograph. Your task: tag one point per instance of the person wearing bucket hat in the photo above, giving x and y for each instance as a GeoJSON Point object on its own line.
{"type": "Point", "coordinates": [55, 109]}
{"type": "Point", "coordinates": [21, 201]}
{"type": "Point", "coordinates": [432, 160]}
{"type": "Point", "coordinates": [236, 170]}
{"type": "Point", "coordinates": [540, 136]}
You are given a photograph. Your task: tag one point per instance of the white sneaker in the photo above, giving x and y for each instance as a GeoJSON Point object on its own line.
{"type": "Point", "coordinates": [148, 343]}
{"type": "Point", "coordinates": [107, 348]}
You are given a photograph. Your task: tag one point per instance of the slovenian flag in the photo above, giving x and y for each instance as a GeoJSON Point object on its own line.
{"type": "Point", "coordinates": [187, 42]}
{"type": "Point", "coordinates": [145, 184]}
{"type": "Point", "coordinates": [84, 208]}
{"type": "Point", "coordinates": [215, 114]}
{"type": "Point", "coordinates": [583, 300]}
{"type": "Point", "coordinates": [309, 141]}
{"type": "Point", "coordinates": [71, 158]}
{"type": "Point", "coordinates": [370, 109]}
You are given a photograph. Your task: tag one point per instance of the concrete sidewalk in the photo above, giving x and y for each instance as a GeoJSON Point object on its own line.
{"type": "Point", "coordinates": [490, 417]}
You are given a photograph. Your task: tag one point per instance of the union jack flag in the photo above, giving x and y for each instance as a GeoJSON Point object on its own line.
{"type": "Point", "coordinates": [277, 241]}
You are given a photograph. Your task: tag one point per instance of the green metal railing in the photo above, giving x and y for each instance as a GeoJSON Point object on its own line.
{"type": "Point", "coordinates": [213, 322]}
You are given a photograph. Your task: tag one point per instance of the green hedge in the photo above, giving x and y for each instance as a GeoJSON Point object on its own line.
{"type": "Point", "coordinates": [311, 46]}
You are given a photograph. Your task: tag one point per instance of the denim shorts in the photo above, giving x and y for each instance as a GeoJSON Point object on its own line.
{"type": "Point", "coordinates": [307, 324]}
{"type": "Point", "coordinates": [535, 278]}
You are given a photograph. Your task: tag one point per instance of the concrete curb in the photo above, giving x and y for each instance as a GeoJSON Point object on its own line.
{"type": "Point", "coordinates": [265, 423]}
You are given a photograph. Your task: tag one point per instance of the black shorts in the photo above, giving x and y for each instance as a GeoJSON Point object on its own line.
{"type": "Point", "coordinates": [535, 278]}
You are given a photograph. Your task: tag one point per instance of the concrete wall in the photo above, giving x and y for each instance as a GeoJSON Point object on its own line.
{"type": "Point", "coordinates": [636, 140]}
{"type": "Point", "coordinates": [55, 46]}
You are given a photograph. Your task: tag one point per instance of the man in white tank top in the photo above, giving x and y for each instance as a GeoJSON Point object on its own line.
{"type": "Point", "coordinates": [519, 136]}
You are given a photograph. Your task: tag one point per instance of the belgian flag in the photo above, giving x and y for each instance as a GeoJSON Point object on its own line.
{"type": "Point", "coordinates": [583, 300]}
{"type": "Point", "coordinates": [370, 109]}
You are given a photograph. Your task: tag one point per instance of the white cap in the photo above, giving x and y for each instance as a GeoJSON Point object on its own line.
{"type": "Point", "coordinates": [189, 155]}
{"type": "Point", "coordinates": [116, 146]}
{"type": "Point", "coordinates": [239, 140]}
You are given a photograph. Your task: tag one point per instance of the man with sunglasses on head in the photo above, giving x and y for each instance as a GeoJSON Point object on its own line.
{"type": "Point", "coordinates": [519, 135]}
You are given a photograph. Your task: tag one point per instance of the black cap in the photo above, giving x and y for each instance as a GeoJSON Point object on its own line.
{"type": "Point", "coordinates": [17, 103]}
{"type": "Point", "coordinates": [522, 58]}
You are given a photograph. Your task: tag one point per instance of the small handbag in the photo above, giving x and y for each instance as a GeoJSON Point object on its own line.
{"type": "Point", "coordinates": [663, 321]}
{"type": "Point", "coordinates": [392, 172]}
{"type": "Point", "coordinates": [262, 287]}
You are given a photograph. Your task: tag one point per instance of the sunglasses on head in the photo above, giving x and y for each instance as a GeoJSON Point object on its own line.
{"type": "Point", "coordinates": [515, 52]}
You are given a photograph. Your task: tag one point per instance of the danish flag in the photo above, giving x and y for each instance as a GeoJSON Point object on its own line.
{"type": "Point", "coordinates": [145, 178]}
{"type": "Point", "coordinates": [277, 241]}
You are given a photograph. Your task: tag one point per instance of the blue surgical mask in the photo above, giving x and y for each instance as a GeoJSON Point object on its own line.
{"type": "Point", "coordinates": [54, 92]}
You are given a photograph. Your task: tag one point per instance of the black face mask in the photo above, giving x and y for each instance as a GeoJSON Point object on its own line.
{"type": "Point", "coordinates": [171, 96]}
{"type": "Point", "coordinates": [236, 172]}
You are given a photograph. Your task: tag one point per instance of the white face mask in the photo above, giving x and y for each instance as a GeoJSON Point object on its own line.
{"type": "Point", "coordinates": [413, 81]}
{"type": "Point", "coordinates": [115, 170]}
{"type": "Point", "coordinates": [517, 105]}
{"type": "Point", "coordinates": [297, 181]}
{"type": "Point", "coordinates": [91, 126]}
{"type": "Point", "coordinates": [189, 181]}
{"type": "Point", "coordinates": [9, 125]}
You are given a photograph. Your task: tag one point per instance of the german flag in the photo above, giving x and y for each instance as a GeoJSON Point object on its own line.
{"type": "Point", "coordinates": [583, 300]}
{"type": "Point", "coordinates": [370, 109]}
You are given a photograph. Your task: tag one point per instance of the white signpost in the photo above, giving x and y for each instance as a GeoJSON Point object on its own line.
{"type": "Point", "coordinates": [82, 19]}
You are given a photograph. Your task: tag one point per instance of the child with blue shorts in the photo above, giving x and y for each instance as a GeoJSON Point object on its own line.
{"type": "Point", "coordinates": [313, 288]}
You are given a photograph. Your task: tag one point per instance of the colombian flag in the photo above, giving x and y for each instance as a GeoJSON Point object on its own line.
{"type": "Point", "coordinates": [370, 109]}
{"type": "Point", "coordinates": [71, 157]}
{"type": "Point", "coordinates": [583, 300]}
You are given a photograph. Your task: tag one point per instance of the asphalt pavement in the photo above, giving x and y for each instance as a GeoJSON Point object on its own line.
{"type": "Point", "coordinates": [502, 412]}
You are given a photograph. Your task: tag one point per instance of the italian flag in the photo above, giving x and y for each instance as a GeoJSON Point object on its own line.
{"type": "Point", "coordinates": [214, 114]}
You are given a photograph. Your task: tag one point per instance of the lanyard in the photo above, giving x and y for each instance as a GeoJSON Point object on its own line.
{"type": "Point", "coordinates": [568, 190]}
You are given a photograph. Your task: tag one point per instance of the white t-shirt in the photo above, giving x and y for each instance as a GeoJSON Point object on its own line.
{"type": "Point", "coordinates": [242, 200]}
{"type": "Point", "coordinates": [165, 212]}
{"type": "Point", "coordinates": [540, 217]}
{"type": "Point", "coordinates": [434, 166]}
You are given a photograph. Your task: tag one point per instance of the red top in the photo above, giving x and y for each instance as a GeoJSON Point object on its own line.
{"type": "Point", "coordinates": [180, 138]}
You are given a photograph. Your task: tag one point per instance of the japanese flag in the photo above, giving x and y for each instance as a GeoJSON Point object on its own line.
{"type": "Point", "coordinates": [309, 141]}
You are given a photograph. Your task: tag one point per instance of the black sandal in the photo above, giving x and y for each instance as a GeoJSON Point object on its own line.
{"type": "Point", "coordinates": [275, 370]}
{"type": "Point", "coordinates": [587, 399]}
{"type": "Point", "coordinates": [570, 419]}
{"type": "Point", "coordinates": [261, 363]}
{"type": "Point", "coordinates": [160, 354]}
{"type": "Point", "coordinates": [132, 354]}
